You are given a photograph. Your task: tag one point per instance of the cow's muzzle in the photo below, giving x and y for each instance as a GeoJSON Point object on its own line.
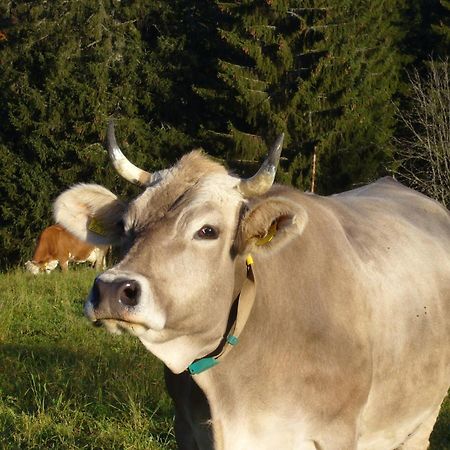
{"type": "Point", "coordinates": [124, 300]}
{"type": "Point", "coordinates": [113, 299]}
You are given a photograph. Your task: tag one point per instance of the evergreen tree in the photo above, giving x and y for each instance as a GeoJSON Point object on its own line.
{"type": "Point", "coordinates": [180, 36]}
{"type": "Point", "coordinates": [324, 73]}
{"type": "Point", "coordinates": [441, 28]}
{"type": "Point", "coordinates": [227, 75]}
{"type": "Point", "coordinates": [66, 70]}
{"type": "Point", "coordinates": [358, 80]}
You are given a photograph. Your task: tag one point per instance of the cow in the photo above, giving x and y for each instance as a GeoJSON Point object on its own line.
{"type": "Point", "coordinates": [285, 319]}
{"type": "Point", "coordinates": [56, 245]}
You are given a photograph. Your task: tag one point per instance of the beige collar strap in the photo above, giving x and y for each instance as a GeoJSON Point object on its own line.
{"type": "Point", "coordinates": [244, 307]}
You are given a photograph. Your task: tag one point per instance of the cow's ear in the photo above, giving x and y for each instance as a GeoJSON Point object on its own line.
{"type": "Point", "coordinates": [269, 224]}
{"type": "Point", "coordinates": [91, 212]}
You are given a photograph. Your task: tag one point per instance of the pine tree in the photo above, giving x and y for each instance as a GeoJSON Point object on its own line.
{"type": "Point", "coordinates": [246, 90]}
{"type": "Point", "coordinates": [176, 74]}
{"type": "Point", "coordinates": [441, 28]}
{"type": "Point", "coordinates": [357, 81]}
{"type": "Point", "coordinates": [66, 70]}
{"type": "Point", "coordinates": [324, 73]}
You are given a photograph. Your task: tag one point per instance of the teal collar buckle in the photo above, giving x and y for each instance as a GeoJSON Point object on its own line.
{"type": "Point", "coordinates": [200, 365]}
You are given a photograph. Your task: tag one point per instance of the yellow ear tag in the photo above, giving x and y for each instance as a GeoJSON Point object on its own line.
{"type": "Point", "coordinates": [249, 260]}
{"type": "Point", "coordinates": [269, 236]}
{"type": "Point", "coordinates": [97, 227]}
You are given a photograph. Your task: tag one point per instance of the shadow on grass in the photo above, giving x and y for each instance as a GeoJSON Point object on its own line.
{"type": "Point", "coordinates": [108, 396]}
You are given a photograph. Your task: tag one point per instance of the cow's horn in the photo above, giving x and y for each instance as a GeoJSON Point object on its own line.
{"type": "Point", "coordinates": [262, 181]}
{"type": "Point", "coordinates": [124, 167]}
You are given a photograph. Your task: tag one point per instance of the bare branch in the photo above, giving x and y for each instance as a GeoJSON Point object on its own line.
{"type": "Point", "coordinates": [424, 155]}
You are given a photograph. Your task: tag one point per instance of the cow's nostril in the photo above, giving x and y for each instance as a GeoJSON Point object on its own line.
{"type": "Point", "coordinates": [108, 298]}
{"type": "Point", "coordinates": [130, 293]}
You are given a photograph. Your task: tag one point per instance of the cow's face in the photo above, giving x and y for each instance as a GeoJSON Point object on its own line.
{"type": "Point", "coordinates": [32, 267]}
{"type": "Point", "coordinates": [37, 268]}
{"type": "Point", "coordinates": [186, 237]}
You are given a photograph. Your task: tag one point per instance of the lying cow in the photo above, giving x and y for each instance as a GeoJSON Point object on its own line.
{"type": "Point", "coordinates": [57, 246]}
{"type": "Point", "coordinates": [308, 322]}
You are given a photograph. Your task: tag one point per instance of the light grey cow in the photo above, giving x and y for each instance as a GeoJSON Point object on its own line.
{"type": "Point", "coordinates": [333, 335]}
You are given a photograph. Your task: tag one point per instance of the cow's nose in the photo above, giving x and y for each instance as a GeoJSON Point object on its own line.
{"type": "Point", "coordinates": [125, 292]}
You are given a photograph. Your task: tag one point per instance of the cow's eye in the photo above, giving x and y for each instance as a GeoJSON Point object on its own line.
{"type": "Point", "coordinates": [207, 232]}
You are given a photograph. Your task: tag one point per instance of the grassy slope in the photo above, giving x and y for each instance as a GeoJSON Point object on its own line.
{"type": "Point", "coordinates": [67, 385]}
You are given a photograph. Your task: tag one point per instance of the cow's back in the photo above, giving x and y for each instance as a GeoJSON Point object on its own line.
{"type": "Point", "coordinates": [401, 240]}
{"type": "Point", "coordinates": [56, 243]}
{"type": "Point", "coordinates": [72, 247]}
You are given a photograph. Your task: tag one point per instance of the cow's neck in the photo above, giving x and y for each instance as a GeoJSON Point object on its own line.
{"type": "Point", "coordinates": [225, 384]}
{"type": "Point", "coordinates": [239, 314]}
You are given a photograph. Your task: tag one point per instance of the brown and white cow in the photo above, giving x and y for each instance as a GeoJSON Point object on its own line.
{"type": "Point", "coordinates": [334, 336]}
{"type": "Point", "coordinates": [56, 245]}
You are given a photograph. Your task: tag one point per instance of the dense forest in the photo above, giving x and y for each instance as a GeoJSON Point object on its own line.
{"type": "Point", "coordinates": [227, 76]}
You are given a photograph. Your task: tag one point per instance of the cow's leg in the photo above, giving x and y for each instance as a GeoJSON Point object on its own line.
{"type": "Point", "coordinates": [419, 438]}
{"type": "Point", "coordinates": [192, 413]}
{"type": "Point", "coordinates": [100, 260]}
{"type": "Point", "coordinates": [98, 265]}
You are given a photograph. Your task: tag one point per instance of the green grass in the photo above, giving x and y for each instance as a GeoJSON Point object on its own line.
{"type": "Point", "coordinates": [67, 385]}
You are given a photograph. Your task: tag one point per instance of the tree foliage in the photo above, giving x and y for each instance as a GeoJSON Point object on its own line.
{"type": "Point", "coordinates": [66, 70]}
{"type": "Point", "coordinates": [322, 72]}
{"type": "Point", "coordinates": [227, 76]}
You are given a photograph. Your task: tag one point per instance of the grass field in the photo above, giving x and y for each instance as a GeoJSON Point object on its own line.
{"type": "Point", "coordinates": [67, 385]}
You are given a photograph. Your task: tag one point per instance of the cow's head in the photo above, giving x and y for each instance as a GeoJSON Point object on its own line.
{"type": "Point", "coordinates": [37, 268]}
{"type": "Point", "coordinates": [186, 238]}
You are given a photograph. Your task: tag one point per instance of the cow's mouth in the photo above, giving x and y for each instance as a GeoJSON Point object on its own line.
{"type": "Point", "coordinates": [117, 326]}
